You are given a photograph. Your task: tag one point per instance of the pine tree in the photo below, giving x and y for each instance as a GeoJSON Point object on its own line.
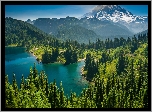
{"type": "Point", "coordinates": [7, 93]}
{"type": "Point", "coordinates": [62, 100]}
{"type": "Point", "coordinates": [14, 85]}
{"type": "Point", "coordinates": [22, 83]}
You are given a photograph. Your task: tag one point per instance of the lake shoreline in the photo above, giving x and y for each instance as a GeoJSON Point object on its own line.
{"type": "Point", "coordinates": [83, 75]}
{"type": "Point", "coordinates": [69, 72]}
{"type": "Point", "coordinates": [79, 60]}
{"type": "Point", "coordinates": [40, 61]}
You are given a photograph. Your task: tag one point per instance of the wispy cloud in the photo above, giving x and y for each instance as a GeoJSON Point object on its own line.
{"type": "Point", "coordinates": [87, 8]}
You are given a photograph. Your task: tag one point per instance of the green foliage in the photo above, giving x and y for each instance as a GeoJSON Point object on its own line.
{"type": "Point", "coordinates": [70, 56]}
{"type": "Point", "coordinates": [118, 70]}
{"type": "Point", "coordinates": [78, 33]}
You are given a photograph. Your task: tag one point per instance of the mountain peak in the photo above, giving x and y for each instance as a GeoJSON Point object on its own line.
{"type": "Point", "coordinates": [111, 12]}
{"type": "Point", "coordinates": [117, 14]}
{"type": "Point", "coordinates": [29, 21]}
{"type": "Point", "coordinates": [102, 9]}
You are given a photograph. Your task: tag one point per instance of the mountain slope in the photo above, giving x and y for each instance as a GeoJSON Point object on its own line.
{"type": "Point", "coordinates": [17, 31]}
{"type": "Point", "coordinates": [29, 21]}
{"type": "Point", "coordinates": [141, 33]}
{"type": "Point", "coordinates": [119, 15]}
{"type": "Point", "coordinates": [78, 33]}
{"type": "Point", "coordinates": [105, 28]}
{"type": "Point", "coordinates": [108, 21]}
{"type": "Point", "coordinates": [102, 28]}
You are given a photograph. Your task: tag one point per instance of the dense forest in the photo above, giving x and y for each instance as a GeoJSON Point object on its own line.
{"type": "Point", "coordinates": [92, 27]}
{"type": "Point", "coordinates": [78, 33]}
{"type": "Point", "coordinates": [117, 70]}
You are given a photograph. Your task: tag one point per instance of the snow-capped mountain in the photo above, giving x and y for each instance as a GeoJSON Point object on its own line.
{"type": "Point", "coordinates": [117, 14]}
{"type": "Point", "coordinates": [106, 21]}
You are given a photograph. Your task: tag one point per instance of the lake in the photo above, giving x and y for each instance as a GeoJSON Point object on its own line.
{"type": "Point", "coordinates": [19, 62]}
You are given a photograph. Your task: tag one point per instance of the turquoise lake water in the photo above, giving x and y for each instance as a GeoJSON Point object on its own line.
{"type": "Point", "coordinates": [19, 62]}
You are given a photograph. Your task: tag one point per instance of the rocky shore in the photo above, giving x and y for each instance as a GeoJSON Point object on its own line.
{"type": "Point", "coordinates": [35, 56]}
{"type": "Point", "coordinates": [82, 70]}
{"type": "Point", "coordinates": [83, 74]}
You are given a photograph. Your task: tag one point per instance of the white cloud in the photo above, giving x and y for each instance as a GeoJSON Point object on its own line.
{"type": "Point", "coordinates": [87, 8]}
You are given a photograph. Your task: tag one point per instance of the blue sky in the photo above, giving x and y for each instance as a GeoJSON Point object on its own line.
{"type": "Point", "coordinates": [24, 12]}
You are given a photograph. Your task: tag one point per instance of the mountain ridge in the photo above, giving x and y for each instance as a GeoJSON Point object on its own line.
{"type": "Point", "coordinates": [102, 28]}
{"type": "Point", "coordinates": [117, 14]}
{"type": "Point", "coordinates": [105, 20]}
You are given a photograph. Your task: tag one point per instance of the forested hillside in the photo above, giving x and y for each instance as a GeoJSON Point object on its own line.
{"type": "Point", "coordinates": [90, 27]}
{"type": "Point", "coordinates": [77, 33]}
{"type": "Point", "coordinates": [21, 33]}
{"type": "Point", "coordinates": [117, 70]}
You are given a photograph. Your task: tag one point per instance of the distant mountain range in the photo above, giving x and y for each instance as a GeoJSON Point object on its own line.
{"type": "Point", "coordinates": [104, 21]}
{"type": "Point", "coordinates": [119, 15]}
